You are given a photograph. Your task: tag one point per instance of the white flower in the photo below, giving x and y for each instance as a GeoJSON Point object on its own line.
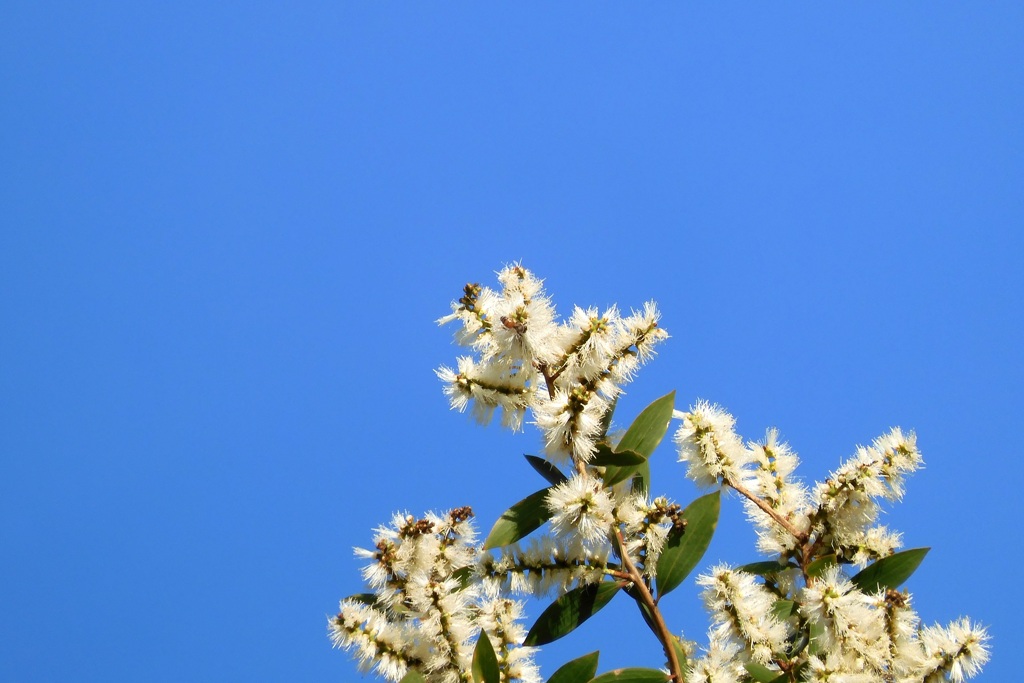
{"type": "Point", "coordinates": [593, 343]}
{"type": "Point", "coordinates": [849, 619]}
{"type": "Point", "coordinates": [742, 609]}
{"type": "Point", "coordinates": [488, 386]}
{"type": "Point", "coordinates": [473, 311]}
{"type": "Point", "coordinates": [640, 330]}
{"type": "Point", "coordinates": [501, 619]}
{"type": "Point", "coordinates": [840, 667]}
{"type": "Point", "coordinates": [722, 663]}
{"type": "Point", "coordinates": [874, 544]}
{"type": "Point", "coordinates": [581, 507]}
{"type": "Point", "coordinates": [902, 624]}
{"type": "Point", "coordinates": [899, 457]}
{"type": "Point", "coordinates": [771, 482]}
{"type": "Point", "coordinates": [959, 650]}
{"type": "Point", "coordinates": [708, 443]}
{"type": "Point", "coordinates": [571, 422]}
{"type": "Point", "coordinates": [523, 328]}
{"type": "Point", "coordinates": [546, 564]}
{"type": "Point", "coordinates": [848, 501]}
{"type": "Point", "coordinates": [389, 647]}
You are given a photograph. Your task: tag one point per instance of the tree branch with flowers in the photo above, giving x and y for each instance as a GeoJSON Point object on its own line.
{"type": "Point", "coordinates": [444, 607]}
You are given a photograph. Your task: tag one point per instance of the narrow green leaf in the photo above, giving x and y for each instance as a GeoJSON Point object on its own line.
{"type": "Point", "coordinates": [413, 677]}
{"type": "Point", "coordinates": [677, 645]}
{"type": "Point", "coordinates": [645, 611]}
{"type": "Point", "coordinates": [761, 674]}
{"type": "Point", "coordinates": [485, 661]}
{"type": "Point", "coordinates": [579, 670]}
{"type": "Point", "coordinates": [464, 576]}
{"type": "Point", "coordinates": [648, 429]}
{"type": "Point", "coordinates": [766, 568]}
{"type": "Point", "coordinates": [642, 480]}
{"type": "Point", "coordinates": [519, 520]}
{"type": "Point", "coordinates": [815, 633]}
{"type": "Point", "coordinates": [802, 640]}
{"type": "Point", "coordinates": [783, 609]}
{"type": "Point", "coordinates": [632, 676]}
{"type": "Point", "coordinates": [606, 456]}
{"type": "Point", "coordinates": [569, 611]}
{"type": "Point", "coordinates": [545, 469]}
{"type": "Point", "coordinates": [890, 572]}
{"type": "Point", "coordinates": [614, 475]}
{"type": "Point", "coordinates": [606, 419]}
{"type": "Point", "coordinates": [781, 678]}
{"type": "Point", "coordinates": [365, 598]}
{"type": "Point", "coordinates": [685, 546]}
{"type": "Point", "coordinates": [818, 566]}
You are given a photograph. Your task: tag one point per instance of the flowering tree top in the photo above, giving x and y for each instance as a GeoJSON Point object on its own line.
{"type": "Point", "coordinates": [444, 607]}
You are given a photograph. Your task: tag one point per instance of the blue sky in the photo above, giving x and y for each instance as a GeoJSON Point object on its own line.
{"type": "Point", "coordinates": [226, 230]}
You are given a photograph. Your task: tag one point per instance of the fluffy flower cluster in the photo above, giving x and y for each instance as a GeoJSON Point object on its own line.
{"type": "Point", "coordinates": [854, 636]}
{"type": "Point", "coordinates": [566, 373]}
{"type": "Point", "coordinates": [543, 566]}
{"type": "Point", "coordinates": [425, 612]}
{"type": "Point", "coordinates": [845, 506]}
{"type": "Point", "coordinates": [839, 513]}
{"type": "Point", "coordinates": [742, 612]}
{"type": "Point", "coordinates": [708, 444]}
{"type": "Point", "coordinates": [771, 478]}
{"type": "Point", "coordinates": [877, 637]}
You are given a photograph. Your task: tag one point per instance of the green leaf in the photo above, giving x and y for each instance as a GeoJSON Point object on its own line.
{"type": "Point", "coordinates": [413, 677]}
{"type": "Point", "coordinates": [618, 465]}
{"type": "Point", "coordinates": [546, 470]}
{"type": "Point", "coordinates": [782, 678]}
{"type": "Point", "coordinates": [783, 609]}
{"type": "Point", "coordinates": [579, 670]}
{"type": "Point", "coordinates": [815, 633]}
{"type": "Point", "coordinates": [485, 661]}
{"type": "Point", "coordinates": [614, 475]}
{"type": "Point", "coordinates": [642, 480]}
{"type": "Point", "coordinates": [818, 566]}
{"type": "Point", "coordinates": [365, 598]}
{"type": "Point", "coordinates": [890, 572]}
{"type": "Point", "coordinates": [685, 546]}
{"type": "Point", "coordinates": [766, 568]}
{"type": "Point", "coordinates": [606, 456]}
{"type": "Point", "coordinates": [464, 576]}
{"type": "Point", "coordinates": [632, 676]}
{"type": "Point", "coordinates": [519, 520]}
{"type": "Point", "coordinates": [648, 429]}
{"type": "Point", "coordinates": [762, 674]}
{"type": "Point", "coordinates": [606, 419]}
{"type": "Point", "coordinates": [569, 611]}
{"type": "Point", "coordinates": [677, 645]}
{"type": "Point", "coordinates": [798, 672]}
{"type": "Point", "coordinates": [801, 641]}
{"type": "Point", "coordinates": [645, 611]}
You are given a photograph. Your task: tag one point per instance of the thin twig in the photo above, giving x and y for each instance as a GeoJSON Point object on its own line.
{"type": "Point", "coordinates": [779, 519]}
{"type": "Point", "coordinates": [549, 380]}
{"type": "Point", "coordinates": [664, 635]}
{"type": "Point", "coordinates": [615, 573]}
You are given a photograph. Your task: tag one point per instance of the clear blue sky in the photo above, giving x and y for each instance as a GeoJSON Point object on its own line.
{"type": "Point", "coordinates": [226, 229]}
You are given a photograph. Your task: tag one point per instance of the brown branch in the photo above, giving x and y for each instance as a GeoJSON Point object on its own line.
{"type": "Point", "coordinates": [800, 536]}
{"type": "Point", "coordinates": [549, 380]}
{"type": "Point", "coordinates": [661, 630]}
{"type": "Point", "coordinates": [623, 576]}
